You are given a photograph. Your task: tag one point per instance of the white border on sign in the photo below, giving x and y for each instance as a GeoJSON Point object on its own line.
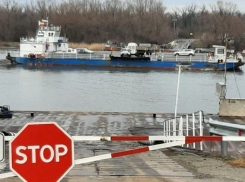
{"type": "Point", "coordinates": [41, 123]}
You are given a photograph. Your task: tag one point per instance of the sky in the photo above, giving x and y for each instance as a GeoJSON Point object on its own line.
{"type": "Point", "coordinates": [172, 4]}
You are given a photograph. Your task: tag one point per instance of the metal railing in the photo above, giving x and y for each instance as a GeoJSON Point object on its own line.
{"type": "Point", "coordinates": [154, 57]}
{"type": "Point", "coordinates": [170, 57]}
{"type": "Point", "coordinates": [186, 125]}
{"type": "Point", "coordinates": [225, 129]}
{"type": "Point", "coordinates": [104, 56]}
{"type": "Point", "coordinates": [62, 55]}
{"type": "Point", "coordinates": [77, 56]}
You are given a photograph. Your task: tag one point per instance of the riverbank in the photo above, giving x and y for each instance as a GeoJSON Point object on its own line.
{"type": "Point", "coordinates": [6, 45]}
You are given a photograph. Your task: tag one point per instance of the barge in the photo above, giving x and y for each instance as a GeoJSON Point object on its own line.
{"type": "Point", "coordinates": [48, 48]}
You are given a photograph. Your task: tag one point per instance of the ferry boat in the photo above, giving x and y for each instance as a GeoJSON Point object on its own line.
{"type": "Point", "coordinates": [49, 49]}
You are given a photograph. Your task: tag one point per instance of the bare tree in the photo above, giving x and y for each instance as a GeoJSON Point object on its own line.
{"type": "Point", "coordinates": [123, 21]}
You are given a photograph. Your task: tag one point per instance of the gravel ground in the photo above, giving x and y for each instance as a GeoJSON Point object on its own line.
{"type": "Point", "coordinates": [206, 167]}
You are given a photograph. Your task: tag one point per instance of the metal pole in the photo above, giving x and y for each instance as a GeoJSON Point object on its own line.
{"type": "Point", "coordinates": [193, 128]}
{"type": "Point", "coordinates": [176, 103]}
{"type": "Point", "coordinates": [225, 61]}
{"type": "Point", "coordinates": [174, 28]}
{"type": "Point", "coordinates": [201, 128]}
{"type": "Point", "coordinates": [187, 127]}
{"type": "Point", "coordinates": [224, 148]}
{"type": "Point", "coordinates": [225, 56]}
{"type": "Point", "coordinates": [174, 20]}
{"type": "Point", "coordinates": [177, 92]}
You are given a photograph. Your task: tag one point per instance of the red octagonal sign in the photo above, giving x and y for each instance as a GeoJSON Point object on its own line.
{"type": "Point", "coordinates": [41, 152]}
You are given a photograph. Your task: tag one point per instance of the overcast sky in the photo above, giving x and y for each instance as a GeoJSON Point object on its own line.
{"type": "Point", "coordinates": [172, 4]}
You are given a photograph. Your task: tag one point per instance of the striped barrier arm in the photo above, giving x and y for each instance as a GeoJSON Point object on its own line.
{"type": "Point", "coordinates": [127, 153]}
{"type": "Point", "coordinates": [112, 155]}
{"type": "Point", "coordinates": [7, 175]}
{"type": "Point", "coordinates": [178, 140]}
{"type": "Point", "coordinates": [187, 139]}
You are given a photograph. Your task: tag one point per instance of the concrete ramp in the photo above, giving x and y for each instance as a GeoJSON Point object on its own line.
{"type": "Point", "coordinates": [152, 164]}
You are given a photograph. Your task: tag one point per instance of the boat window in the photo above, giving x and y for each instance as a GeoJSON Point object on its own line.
{"type": "Point", "coordinates": [220, 51]}
{"type": "Point", "coordinates": [50, 34]}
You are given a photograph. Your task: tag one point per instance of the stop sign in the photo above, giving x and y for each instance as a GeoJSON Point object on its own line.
{"type": "Point", "coordinates": [41, 152]}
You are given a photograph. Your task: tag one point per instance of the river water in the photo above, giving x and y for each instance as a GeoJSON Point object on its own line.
{"type": "Point", "coordinates": [117, 90]}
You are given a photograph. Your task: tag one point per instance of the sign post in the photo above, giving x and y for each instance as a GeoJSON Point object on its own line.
{"type": "Point", "coordinates": [2, 147]}
{"type": "Point", "coordinates": [41, 152]}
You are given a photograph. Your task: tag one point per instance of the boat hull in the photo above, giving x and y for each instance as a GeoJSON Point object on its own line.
{"type": "Point", "coordinates": [118, 62]}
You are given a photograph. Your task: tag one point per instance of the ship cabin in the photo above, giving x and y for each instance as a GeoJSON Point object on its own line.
{"type": "Point", "coordinates": [222, 55]}
{"type": "Point", "coordinates": [47, 40]}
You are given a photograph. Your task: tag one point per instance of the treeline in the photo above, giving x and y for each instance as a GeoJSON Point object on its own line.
{"type": "Point", "coordinates": [96, 21]}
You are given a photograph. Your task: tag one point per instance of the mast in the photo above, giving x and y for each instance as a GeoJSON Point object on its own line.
{"type": "Point", "coordinates": [226, 42]}
{"type": "Point", "coordinates": [226, 45]}
{"type": "Point", "coordinates": [47, 18]}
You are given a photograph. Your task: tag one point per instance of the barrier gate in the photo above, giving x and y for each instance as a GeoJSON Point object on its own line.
{"type": "Point", "coordinates": [172, 141]}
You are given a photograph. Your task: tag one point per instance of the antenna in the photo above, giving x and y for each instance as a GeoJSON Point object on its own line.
{"type": "Point", "coordinates": [220, 86]}
{"type": "Point", "coordinates": [47, 18]}
{"type": "Point", "coordinates": [226, 46]}
{"type": "Point", "coordinates": [226, 42]}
